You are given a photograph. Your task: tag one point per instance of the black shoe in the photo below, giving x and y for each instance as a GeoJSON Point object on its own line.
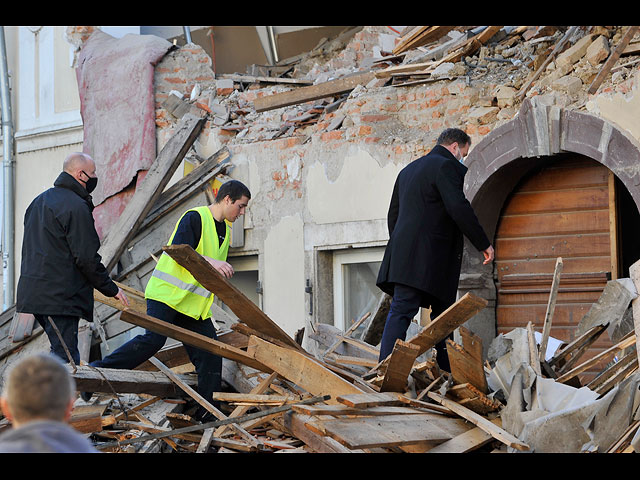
{"type": "Point", "coordinates": [86, 396]}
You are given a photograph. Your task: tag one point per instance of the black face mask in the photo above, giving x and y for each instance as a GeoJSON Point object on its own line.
{"type": "Point", "coordinates": [91, 183]}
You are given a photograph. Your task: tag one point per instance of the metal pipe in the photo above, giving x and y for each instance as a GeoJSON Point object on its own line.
{"type": "Point", "coordinates": [272, 45]}
{"type": "Point", "coordinates": [187, 35]}
{"type": "Point", "coordinates": [8, 259]}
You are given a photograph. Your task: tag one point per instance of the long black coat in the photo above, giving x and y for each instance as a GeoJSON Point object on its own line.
{"type": "Point", "coordinates": [428, 216]}
{"type": "Point", "coordinates": [60, 261]}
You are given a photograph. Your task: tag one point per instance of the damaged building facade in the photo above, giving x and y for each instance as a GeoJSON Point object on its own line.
{"type": "Point", "coordinates": [553, 170]}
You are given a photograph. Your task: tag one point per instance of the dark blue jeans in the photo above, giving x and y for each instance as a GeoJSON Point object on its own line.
{"type": "Point", "coordinates": [144, 346]}
{"type": "Point", "coordinates": [405, 304]}
{"type": "Point", "coordinates": [68, 328]}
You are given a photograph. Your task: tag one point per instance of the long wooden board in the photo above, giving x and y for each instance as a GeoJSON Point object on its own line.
{"type": "Point", "coordinates": [386, 431]}
{"type": "Point", "coordinates": [188, 337]}
{"type": "Point", "coordinates": [445, 323]}
{"type": "Point", "coordinates": [149, 190]}
{"type": "Point", "coordinates": [246, 311]}
{"type": "Point", "coordinates": [312, 92]}
{"type": "Point", "coordinates": [90, 379]}
{"type": "Point", "coordinates": [300, 369]}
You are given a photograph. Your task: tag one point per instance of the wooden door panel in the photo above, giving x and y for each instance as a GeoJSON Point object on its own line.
{"type": "Point", "coordinates": [561, 211]}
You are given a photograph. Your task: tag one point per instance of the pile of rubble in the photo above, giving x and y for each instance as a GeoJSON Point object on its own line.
{"type": "Point", "coordinates": [567, 64]}
{"type": "Point", "coordinates": [334, 395]}
{"type": "Point", "coordinates": [527, 396]}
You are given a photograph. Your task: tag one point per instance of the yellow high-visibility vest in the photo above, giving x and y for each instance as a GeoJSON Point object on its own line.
{"type": "Point", "coordinates": [174, 285]}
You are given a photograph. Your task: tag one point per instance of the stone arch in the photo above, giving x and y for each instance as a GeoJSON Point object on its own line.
{"type": "Point", "coordinates": [511, 151]}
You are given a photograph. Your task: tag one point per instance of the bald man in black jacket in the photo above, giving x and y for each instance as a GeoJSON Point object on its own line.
{"type": "Point", "coordinates": [60, 261]}
{"type": "Point", "coordinates": [428, 217]}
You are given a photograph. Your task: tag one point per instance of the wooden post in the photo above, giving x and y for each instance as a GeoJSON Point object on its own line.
{"type": "Point", "coordinates": [551, 306]}
{"type": "Point", "coordinates": [613, 58]}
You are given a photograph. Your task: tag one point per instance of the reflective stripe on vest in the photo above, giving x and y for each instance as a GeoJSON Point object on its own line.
{"type": "Point", "coordinates": [173, 285]}
{"type": "Point", "coordinates": [176, 282]}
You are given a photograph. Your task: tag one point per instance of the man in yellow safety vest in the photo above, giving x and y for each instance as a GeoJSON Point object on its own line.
{"type": "Point", "coordinates": [173, 295]}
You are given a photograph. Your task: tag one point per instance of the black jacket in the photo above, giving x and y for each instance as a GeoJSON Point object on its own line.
{"type": "Point", "coordinates": [428, 216]}
{"type": "Point", "coordinates": [60, 261]}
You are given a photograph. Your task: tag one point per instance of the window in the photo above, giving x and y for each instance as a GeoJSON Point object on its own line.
{"type": "Point", "coordinates": [354, 282]}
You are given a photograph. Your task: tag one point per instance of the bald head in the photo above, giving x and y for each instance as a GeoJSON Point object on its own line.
{"type": "Point", "coordinates": [81, 167]}
{"type": "Point", "coordinates": [77, 161]}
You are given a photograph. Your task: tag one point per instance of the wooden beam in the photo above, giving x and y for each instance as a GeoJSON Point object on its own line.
{"type": "Point", "coordinates": [613, 58]}
{"type": "Point", "coordinates": [149, 190]}
{"type": "Point", "coordinates": [386, 431]}
{"type": "Point", "coordinates": [421, 36]}
{"type": "Point", "coordinates": [246, 311]}
{"type": "Point", "coordinates": [300, 369]}
{"type": "Point", "coordinates": [482, 422]}
{"type": "Point", "coordinates": [191, 338]}
{"type": "Point", "coordinates": [626, 342]}
{"type": "Point", "coordinates": [466, 360]}
{"type": "Point", "coordinates": [399, 367]}
{"type": "Point", "coordinates": [108, 380]}
{"type": "Point", "coordinates": [205, 426]}
{"type": "Point", "coordinates": [246, 436]}
{"type": "Point", "coordinates": [312, 92]}
{"type": "Point", "coordinates": [551, 305]}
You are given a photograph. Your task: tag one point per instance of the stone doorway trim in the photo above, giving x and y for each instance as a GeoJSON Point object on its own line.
{"type": "Point", "coordinates": [504, 156]}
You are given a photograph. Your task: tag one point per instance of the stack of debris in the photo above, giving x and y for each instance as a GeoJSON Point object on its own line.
{"type": "Point", "coordinates": [567, 63]}
{"type": "Point", "coordinates": [525, 397]}
{"type": "Point", "coordinates": [336, 396]}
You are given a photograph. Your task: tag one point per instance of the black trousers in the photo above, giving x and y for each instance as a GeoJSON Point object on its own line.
{"type": "Point", "coordinates": [405, 304]}
{"type": "Point", "coordinates": [68, 327]}
{"type": "Point", "coordinates": [144, 346]}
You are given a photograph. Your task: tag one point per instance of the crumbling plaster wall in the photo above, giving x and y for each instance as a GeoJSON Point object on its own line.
{"type": "Point", "coordinates": [315, 190]}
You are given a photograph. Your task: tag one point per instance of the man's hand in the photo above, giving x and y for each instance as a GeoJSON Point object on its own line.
{"type": "Point", "coordinates": [489, 255]}
{"type": "Point", "coordinates": [224, 268]}
{"type": "Point", "coordinates": [122, 297]}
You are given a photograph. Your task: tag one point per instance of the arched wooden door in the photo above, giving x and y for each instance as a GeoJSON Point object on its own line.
{"type": "Point", "coordinates": [566, 209]}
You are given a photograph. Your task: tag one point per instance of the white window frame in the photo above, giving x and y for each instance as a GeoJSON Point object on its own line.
{"type": "Point", "coordinates": [340, 259]}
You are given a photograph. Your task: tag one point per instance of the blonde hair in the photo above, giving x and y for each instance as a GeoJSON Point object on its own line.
{"type": "Point", "coordinates": [39, 387]}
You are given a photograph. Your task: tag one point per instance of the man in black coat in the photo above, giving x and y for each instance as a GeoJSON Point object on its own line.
{"type": "Point", "coordinates": [60, 261]}
{"type": "Point", "coordinates": [428, 216]}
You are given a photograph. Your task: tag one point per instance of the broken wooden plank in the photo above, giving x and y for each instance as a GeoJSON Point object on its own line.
{"type": "Point", "coordinates": [385, 431]}
{"type": "Point", "coordinates": [420, 36]}
{"type": "Point", "coordinates": [298, 424]}
{"type": "Point", "coordinates": [110, 380]}
{"type": "Point", "coordinates": [312, 92]}
{"type": "Point", "coordinates": [474, 399]}
{"type": "Point", "coordinates": [367, 400]}
{"type": "Point", "coordinates": [613, 58]}
{"type": "Point", "coordinates": [338, 410]}
{"type": "Point", "coordinates": [149, 189]}
{"type": "Point", "coordinates": [135, 297]}
{"type": "Point", "coordinates": [399, 367]}
{"type": "Point", "coordinates": [551, 305]}
{"type": "Point", "coordinates": [191, 338]}
{"type": "Point", "coordinates": [626, 342]}
{"type": "Point", "coordinates": [246, 436]}
{"type": "Point", "coordinates": [346, 334]}
{"type": "Point", "coordinates": [482, 422]}
{"type": "Point", "coordinates": [246, 311]}
{"type": "Point", "coordinates": [207, 425]}
{"type": "Point", "coordinates": [466, 360]}
{"type": "Point", "coordinates": [300, 369]}
{"type": "Point", "coordinates": [534, 360]}
{"type": "Point", "coordinates": [263, 79]}
{"type": "Point", "coordinates": [574, 350]}
{"type": "Point", "coordinates": [465, 442]}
